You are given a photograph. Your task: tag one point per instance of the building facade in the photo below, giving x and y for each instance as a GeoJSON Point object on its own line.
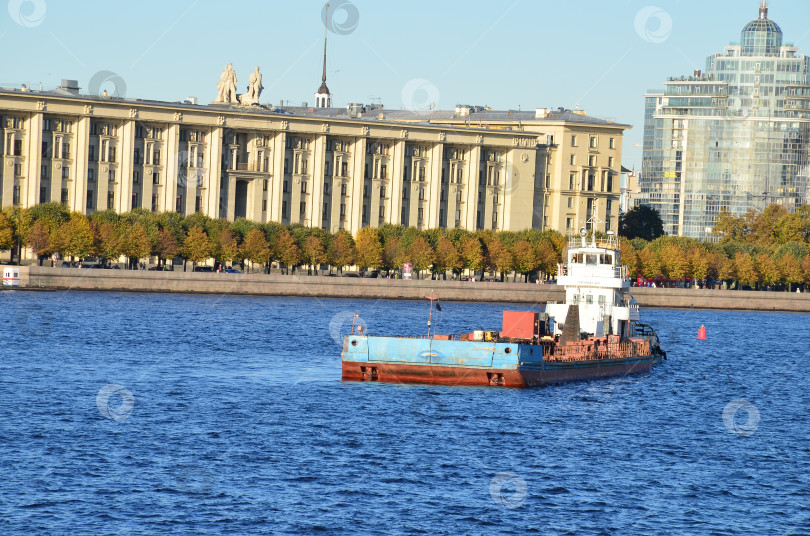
{"type": "Point", "coordinates": [734, 137]}
{"type": "Point", "coordinates": [332, 168]}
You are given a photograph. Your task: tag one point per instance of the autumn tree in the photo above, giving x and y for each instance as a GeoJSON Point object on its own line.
{"type": "Point", "coordinates": [421, 255]}
{"type": "Point", "coordinates": [313, 251]}
{"type": "Point", "coordinates": [74, 237]}
{"type": "Point", "coordinates": [446, 257]}
{"type": "Point", "coordinates": [39, 240]}
{"type": "Point", "coordinates": [227, 247]}
{"type": "Point", "coordinates": [746, 269]}
{"type": "Point", "coordinates": [526, 259]}
{"type": "Point", "coordinates": [791, 269]}
{"type": "Point", "coordinates": [108, 240]}
{"type": "Point", "coordinates": [392, 255]}
{"type": "Point", "coordinates": [287, 250]}
{"type": "Point", "coordinates": [197, 246]}
{"type": "Point", "coordinates": [135, 244]}
{"type": "Point", "coordinates": [547, 257]}
{"type": "Point", "coordinates": [675, 262]}
{"type": "Point", "coordinates": [768, 269]}
{"type": "Point", "coordinates": [6, 232]}
{"type": "Point", "coordinates": [472, 254]}
{"type": "Point", "coordinates": [341, 251]}
{"type": "Point", "coordinates": [255, 248]}
{"type": "Point", "coordinates": [369, 248]}
{"type": "Point", "coordinates": [166, 246]}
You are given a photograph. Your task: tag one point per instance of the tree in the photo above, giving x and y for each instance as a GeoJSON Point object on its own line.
{"type": "Point", "coordinates": [447, 257]}
{"type": "Point", "coordinates": [369, 248]}
{"type": "Point", "coordinates": [74, 237]}
{"type": "Point", "coordinates": [39, 240]}
{"type": "Point", "coordinates": [472, 254]}
{"type": "Point", "coordinates": [547, 257]}
{"type": "Point", "coordinates": [650, 262]}
{"type": "Point", "coordinates": [135, 243]}
{"type": "Point", "coordinates": [6, 232]}
{"type": "Point", "coordinates": [768, 269]}
{"type": "Point", "coordinates": [791, 270]}
{"type": "Point", "coordinates": [286, 249]}
{"type": "Point", "coordinates": [108, 240]}
{"type": "Point", "coordinates": [197, 246]}
{"type": "Point", "coordinates": [166, 245]}
{"type": "Point", "coordinates": [255, 247]}
{"type": "Point", "coordinates": [227, 246]}
{"type": "Point", "coordinates": [314, 252]}
{"type": "Point", "coordinates": [341, 251]}
{"type": "Point", "coordinates": [641, 221]}
{"type": "Point", "coordinates": [746, 269]}
{"type": "Point", "coordinates": [421, 254]}
{"type": "Point", "coordinates": [728, 226]}
{"type": "Point", "coordinates": [392, 256]}
{"type": "Point", "coordinates": [526, 259]}
{"type": "Point", "coordinates": [675, 262]}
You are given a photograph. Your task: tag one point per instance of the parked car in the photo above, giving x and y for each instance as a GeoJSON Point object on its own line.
{"type": "Point", "coordinates": [231, 271]}
{"type": "Point", "coordinates": [66, 264]}
{"type": "Point", "coordinates": [203, 269]}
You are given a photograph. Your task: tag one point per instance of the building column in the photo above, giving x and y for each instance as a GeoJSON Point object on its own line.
{"type": "Point", "coordinates": [315, 205]}
{"type": "Point", "coordinates": [29, 193]}
{"type": "Point", "coordinates": [470, 211]}
{"type": "Point", "coordinates": [172, 150]}
{"type": "Point", "coordinates": [354, 199]}
{"type": "Point", "coordinates": [434, 193]}
{"type": "Point", "coordinates": [397, 165]}
{"type": "Point", "coordinates": [276, 188]}
{"type": "Point", "coordinates": [78, 201]}
{"type": "Point", "coordinates": [126, 165]}
{"type": "Point", "coordinates": [213, 174]}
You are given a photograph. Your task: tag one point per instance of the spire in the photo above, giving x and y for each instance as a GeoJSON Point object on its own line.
{"type": "Point", "coordinates": [326, 28]}
{"type": "Point", "coordinates": [763, 10]}
{"type": "Point", "coordinates": [323, 99]}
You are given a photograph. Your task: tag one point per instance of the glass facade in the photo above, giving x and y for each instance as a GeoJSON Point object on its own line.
{"type": "Point", "coordinates": [736, 136]}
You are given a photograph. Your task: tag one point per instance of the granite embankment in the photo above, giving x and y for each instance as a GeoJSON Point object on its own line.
{"type": "Point", "coordinates": [35, 277]}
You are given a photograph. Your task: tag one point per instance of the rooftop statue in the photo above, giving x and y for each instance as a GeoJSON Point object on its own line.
{"type": "Point", "coordinates": [227, 86]}
{"type": "Point", "coordinates": [254, 88]}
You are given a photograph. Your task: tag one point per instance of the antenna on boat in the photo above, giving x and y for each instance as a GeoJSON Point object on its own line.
{"type": "Point", "coordinates": [432, 298]}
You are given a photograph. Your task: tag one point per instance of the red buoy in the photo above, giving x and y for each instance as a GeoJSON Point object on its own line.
{"type": "Point", "coordinates": [702, 333]}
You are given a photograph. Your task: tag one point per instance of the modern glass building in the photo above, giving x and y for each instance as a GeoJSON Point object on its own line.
{"type": "Point", "coordinates": [736, 136]}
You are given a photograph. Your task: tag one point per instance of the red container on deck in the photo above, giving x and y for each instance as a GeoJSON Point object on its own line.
{"type": "Point", "coordinates": [519, 324]}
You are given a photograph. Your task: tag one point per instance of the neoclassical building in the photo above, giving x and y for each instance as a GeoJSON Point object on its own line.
{"type": "Point", "coordinates": [335, 168]}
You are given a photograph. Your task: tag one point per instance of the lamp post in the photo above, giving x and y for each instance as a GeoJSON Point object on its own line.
{"type": "Point", "coordinates": [19, 232]}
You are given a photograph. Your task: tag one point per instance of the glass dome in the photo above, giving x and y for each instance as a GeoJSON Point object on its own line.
{"type": "Point", "coordinates": [762, 36]}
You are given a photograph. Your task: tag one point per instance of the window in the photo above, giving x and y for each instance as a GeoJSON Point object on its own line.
{"type": "Point", "coordinates": [155, 178]}
{"type": "Point", "coordinates": [264, 186]}
{"type": "Point", "coordinates": [573, 161]}
{"type": "Point", "coordinates": [91, 152]}
{"type": "Point", "coordinates": [91, 175]}
{"type": "Point", "coordinates": [609, 183]}
{"type": "Point", "coordinates": [15, 197]}
{"type": "Point", "coordinates": [286, 166]}
{"type": "Point", "coordinates": [90, 204]}
{"type": "Point", "coordinates": [178, 205]}
{"type": "Point", "coordinates": [573, 141]}
{"type": "Point", "coordinates": [17, 170]}
{"type": "Point", "coordinates": [420, 214]}
{"type": "Point", "coordinates": [303, 187]}
{"type": "Point", "coordinates": [303, 208]}
{"type": "Point", "coordinates": [284, 187]}
{"type": "Point", "coordinates": [284, 209]}
{"type": "Point", "coordinates": [382, 191]}
{"type": "Point", "coordinates": [111, 175]}
{"type": "Point", "coordinates": [570, 202]}
{"type": "Point", "coordinates": [612, 143]}
{"type": "Point", "coordinates": [592, 161]}
{"type": "Point", "coordinates": [136, 177]}
{"type": "Point", "coordinates": [45, 172]}
{"type": "Point", "coordinates": [326, 168]}
{"type": "Point", "coordinates": [568, 222]}
{"type": "Point", "coordinates": [198, 203]}
{"type": "Point", "coordinates": [421, 194]}
{"type": "Point", "coordinates": [65, 172]}
{"type": "Point", "coordinates": [592, 142]}
{"type": "Point", "coordinates": [589, 298]}
{"type": "Point", "coordinates": [135, 203]}
{"type": "Point", "coordinates": [610, 161]}
{"type": "Point", "coordinates": [343, 189]}
{"type": "Point", "coordinates": [571, 180]}
{"type": "Point", "coordinates": [43, 194]}
{"type": "Point", "coordinates": [64, 198]}
{"type": "Point", "coordinates": [110, 200]}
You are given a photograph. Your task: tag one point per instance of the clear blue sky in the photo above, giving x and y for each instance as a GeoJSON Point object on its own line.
{"type": "Point", "coordinates": [599, 55]}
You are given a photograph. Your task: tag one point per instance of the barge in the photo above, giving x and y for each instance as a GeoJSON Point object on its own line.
{"type": "Point", "coordinates": [596, 333]}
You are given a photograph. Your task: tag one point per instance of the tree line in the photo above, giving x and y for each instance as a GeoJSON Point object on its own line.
{"type": "Point", "coordinates": [49, 228]}
{"type": "Point", "coordinates": [756, 250]}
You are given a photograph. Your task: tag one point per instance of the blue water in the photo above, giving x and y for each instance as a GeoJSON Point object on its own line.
{"type": "Point", "coordinates": [156, 414]}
